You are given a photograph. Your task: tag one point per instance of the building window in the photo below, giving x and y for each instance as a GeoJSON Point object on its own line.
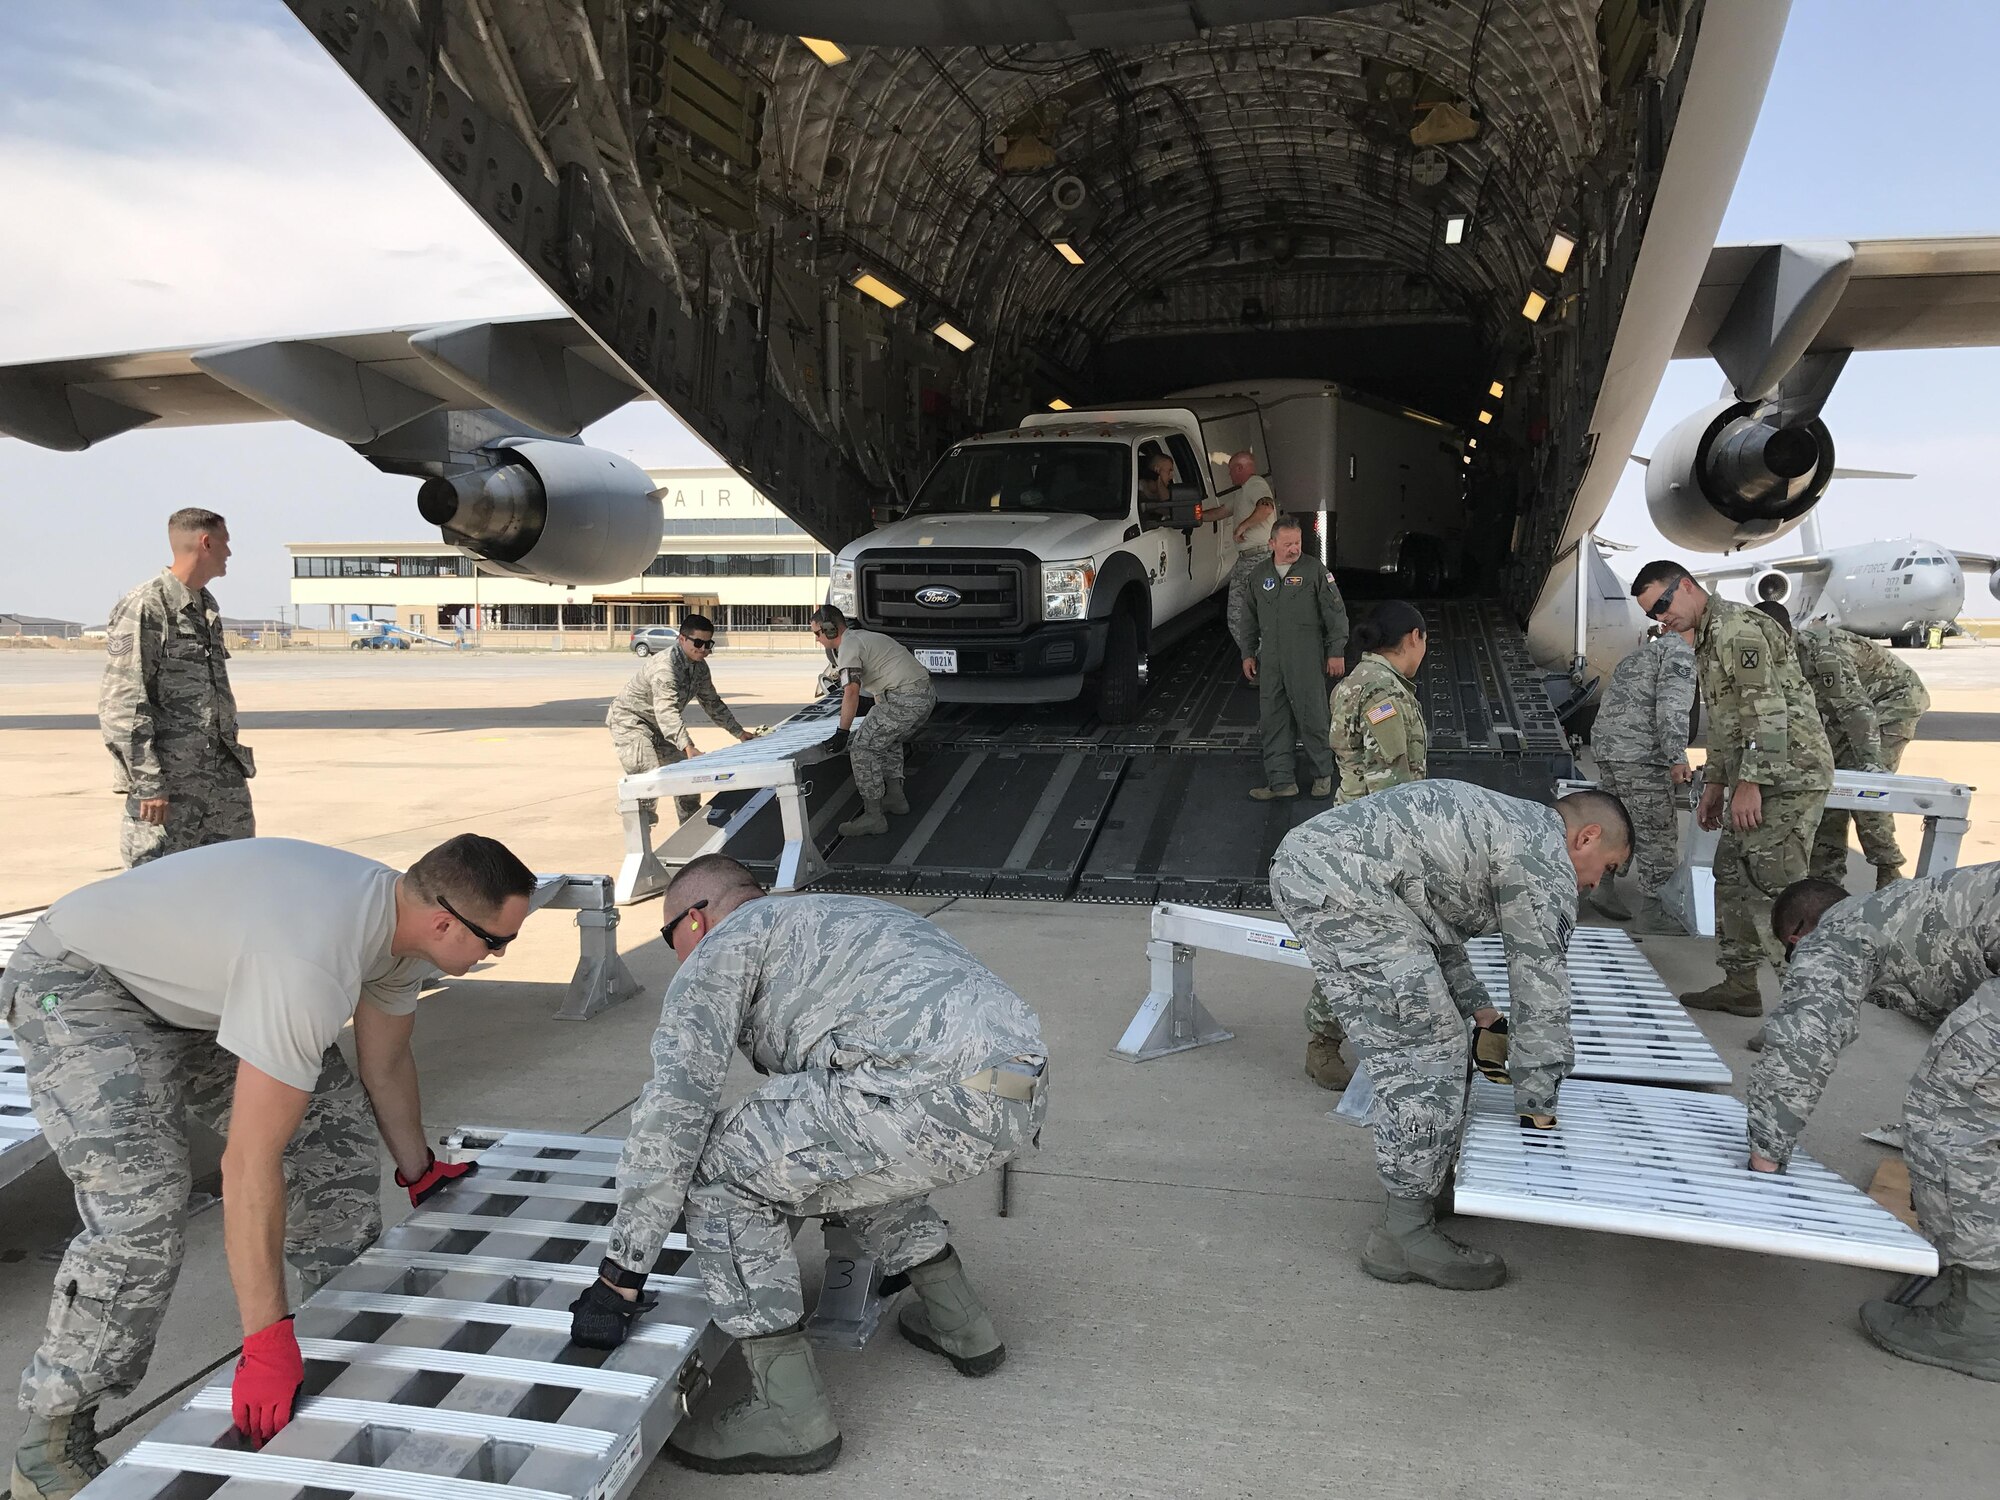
{"type": "Point", "coordinates": [718, 526]}
{"type": "Point", "coordinates": [455, 566]}
{"type": "Point", "coordinates": [736, 565]}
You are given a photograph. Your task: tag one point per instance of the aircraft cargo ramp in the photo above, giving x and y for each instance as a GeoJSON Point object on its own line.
{"type": "Point", "coordinates": [1049, 803]}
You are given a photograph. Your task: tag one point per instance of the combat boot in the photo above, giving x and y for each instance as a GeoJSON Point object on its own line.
{"type": "Point", "coordinates": [1322, 787]}
{"type": "Point", "coordinates": [1887, 875]}
{"type": "Point", "coordinates": [1274, 793]}
{"type": "Point", "coordinates": [870, 821]}
{"type": "Point", "coordinates": [1324, 1064]}
{"type": "Point", "coordinates": [1608, 902]}
{"type": "Point", "coordinates": [1408, 1246]}
{"type": "Point", "coordinates": [57, 1456]}
{"type": "Point", "coordinates": [784, 1426]}
{"type": "Point", "coordinates": [948, 1318]}
{"type": "Point", "coordinates": [1737, 994]}
{"type": "Point", "coordinates": [1654, 920]}
{"type": "Point", "coordinates": [1961, 1332]}
{"type": "Point", "coordinates": [894, 803]}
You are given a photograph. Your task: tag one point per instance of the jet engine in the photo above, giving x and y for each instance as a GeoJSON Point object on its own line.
{"type": "Point", "coordinates": [1772, 586]}
{"type": "Point", "coordinates": [1730, 477]}
{"type": "Point", "coordinates": [559, 512]}
{"type": "Point", "coordinates": [1993, 583]}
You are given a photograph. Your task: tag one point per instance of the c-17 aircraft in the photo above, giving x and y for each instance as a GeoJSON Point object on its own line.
{"type": "Point", "coordinates": [837, 236]}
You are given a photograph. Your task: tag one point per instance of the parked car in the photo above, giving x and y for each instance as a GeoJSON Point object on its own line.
{"type": "Point", "coordinates": [648, 639]}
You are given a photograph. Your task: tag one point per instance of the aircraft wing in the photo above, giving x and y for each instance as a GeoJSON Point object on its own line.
{"type": "Point", "coordinates": [1899, 294]}
{"type": "Point", "coordinates": [547, 372]}
{"type": "Point", "coordinates": [1804, 566]}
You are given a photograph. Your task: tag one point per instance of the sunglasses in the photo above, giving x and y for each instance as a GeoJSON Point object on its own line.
{"type": "Point", "coordinates": [667, 932]}
{"type": "Point", "coordinates": [493, 943]}
{"type": "Point", "coordinates": [700, 642]}
{"type": "Point", "coordinates": [1658, 607]}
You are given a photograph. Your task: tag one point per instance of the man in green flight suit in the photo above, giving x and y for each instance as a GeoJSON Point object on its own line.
{"type": "Point", "coordinates": [1295, 638]}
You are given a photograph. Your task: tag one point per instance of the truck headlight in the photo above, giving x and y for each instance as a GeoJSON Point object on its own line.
{"type": "Point", "coordinates": [1066, 589]}
{"type": "Point", "coordinates": [840, 591]}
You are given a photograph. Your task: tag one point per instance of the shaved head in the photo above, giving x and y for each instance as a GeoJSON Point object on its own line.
{"type": "Point", "coordinates": [1581, 809]}
{"type": "Point", "coordinates": [708, 878]}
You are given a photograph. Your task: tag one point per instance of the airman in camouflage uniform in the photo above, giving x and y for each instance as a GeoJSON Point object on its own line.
{"type": "Point", "coordinates": [165, 707]}
{"type": "Point", "coordinates": [1870, 704]}
{"type": "Point", "coordinates": [1295, 639]}
{"type": "Point", "coordinates": [1640, 745]}
{"type": "Point", "coordinates": [1379, 741]}
{"type": "Point", "coordinates": [647, 721]}
{"type": "Point", "coordinates": [1929, 948]}
{"type": "Point", "coordinates": [1766, 751]}
{"type": "Point", "coordinates": [895, 1063]}
{"type": "Point", "coordinates": [1384, 894]}
{"type": "Point", "coordinates": [866, 661]}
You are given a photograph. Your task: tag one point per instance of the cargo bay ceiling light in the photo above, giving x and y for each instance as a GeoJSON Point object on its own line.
{"type": "Point", "coordinates": [1496, 390]}
{"type": "Point", "coordinates": [874, 286]}
{"type": "Point", "coordinates": [1535, 306]}
{"type": "Point", "coordinates": [1485, 418]}
{"type": "Point", "coordinates": [1068, 252]}
{"type": "Point", "coordinates": [955, 336]}
{"type": "Point", "coordinates": [826, 52]}
{"type": "Point", "coordinates": [1059, 405]}
{"type": "Point", "coordinates": [1560, 249]}
{"type": "Point", "coordinates": [1454, 229]}
{"type": "Point", "coordinates": [1472, 442]}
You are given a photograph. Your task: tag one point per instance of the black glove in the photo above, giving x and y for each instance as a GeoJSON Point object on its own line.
{"type": "Point", "coordinates": [835, 742]}
{"type": "Point", "coordinates": [1489, 1051]}
{"type": "Point", "coordinates": [602, 1319]}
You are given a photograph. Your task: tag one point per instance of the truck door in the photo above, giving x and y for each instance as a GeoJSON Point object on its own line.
{"type": "Point", "coordinates": [1213, 542]}
{"type": "Point", "coordinates": [1165, 551]}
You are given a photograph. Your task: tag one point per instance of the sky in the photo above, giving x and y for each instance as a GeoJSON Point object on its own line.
{"type": "Point", "coordinates": [181, 174]}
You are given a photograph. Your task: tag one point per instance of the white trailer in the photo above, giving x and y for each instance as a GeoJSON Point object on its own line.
{"type": "Point", "coordinates": [1386, 481]}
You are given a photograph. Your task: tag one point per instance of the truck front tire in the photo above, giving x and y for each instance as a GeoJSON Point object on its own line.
{"type": "Point", "coordinates": [1115, 693]}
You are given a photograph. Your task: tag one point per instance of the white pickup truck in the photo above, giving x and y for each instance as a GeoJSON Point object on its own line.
{"type": "Point", "coordinates": [1040, 563]}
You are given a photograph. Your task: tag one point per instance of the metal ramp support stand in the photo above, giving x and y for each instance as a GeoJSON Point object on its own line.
{"type": "Point", "coordinates": [849, 1309]}
{"type": "Point", "coordinates": [1945, 807]}
{"type": "Point", "coordinates": [769, 765]}
{"type": "Point", "coordinates": [438, 1365]}
{"type": "Point", "coordinates": [1625, 1022]}
{"type": "Point", "coordinates": [600, 979]}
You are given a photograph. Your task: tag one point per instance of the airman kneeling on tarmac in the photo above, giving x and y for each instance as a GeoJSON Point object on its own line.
{"type": "Point", "coordinates": [1927, 948]}
{"type": "Point", "coordinates": [895, 1063]}
{"type": "Point", "coordinates": [214, 985]}
{"type": "Point", "coordinates": [1384, 894]}
{"type": "Point", "coordinates": [868, 662]}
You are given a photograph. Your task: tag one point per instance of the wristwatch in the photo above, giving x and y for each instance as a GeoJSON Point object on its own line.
{"type": "Point", "coordinates": [618, 1276]}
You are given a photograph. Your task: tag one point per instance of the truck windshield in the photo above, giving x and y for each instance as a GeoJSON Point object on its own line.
{"type": "Point", "coordinates": [1073, 479]}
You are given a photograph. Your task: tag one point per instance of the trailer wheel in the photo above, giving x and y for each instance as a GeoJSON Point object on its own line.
{"type": "Point", "coordinates": [1119, 680]}
{"type": "Point", "coordinates": [1420, 568]}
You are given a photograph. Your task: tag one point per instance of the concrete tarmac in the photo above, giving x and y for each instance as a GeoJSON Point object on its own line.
{"type": "Point", "coordinates": [1177, 1281]}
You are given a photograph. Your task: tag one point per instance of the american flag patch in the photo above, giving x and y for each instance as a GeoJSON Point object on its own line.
{"type": "Point", "coordinates": [1381, 711]}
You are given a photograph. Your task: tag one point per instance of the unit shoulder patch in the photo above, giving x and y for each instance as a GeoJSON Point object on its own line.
{"type": "Point", "coordinates": [1750, 657]}
{"type": "Point", "coordinates": [1381, 711]}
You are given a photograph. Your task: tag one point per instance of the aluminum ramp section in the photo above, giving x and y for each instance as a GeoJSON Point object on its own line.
{"type": "Point", "coordinates": [22, 1143]}
{"type": "Point", "coordinates": [1624, 1020]}
{"type": "Point", "coordinates": [438, 1365]}
{"type": "Point", "coordinates": [1626, 1024]}
{"type": "Point", "coordinates": [1671, 1165]}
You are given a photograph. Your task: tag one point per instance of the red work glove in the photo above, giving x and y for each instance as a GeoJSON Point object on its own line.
{"type": "Point", "coordinates": [268, 1376]}
{"type": "Point", "coordinates": [435, 1175]}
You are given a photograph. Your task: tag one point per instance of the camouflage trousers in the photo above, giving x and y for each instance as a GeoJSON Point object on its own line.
{"type": "Point", "coordinates": [1320, 1019]}
{"type": "Point", "coordinates": [782, 1155]}
{"type": "Point", "coordinates": [1380, 977]}
{"type": "Point", "coordinates": [1951, 1135]}
{"type": "Point", "coordinates": [113, 1088]}
{"type": "Point", "coordinates": [1238, 613]}
{"type": "Point", "coordinates": [1752, 868]}
{"type": "Point", "coordinates": [1655, 805]}
{"type": "Point", "coordinates": [212, 811]}
{"type": "Point", "coordinates": [641, 747]}
{"type": "Point", "coordinates": [1876, 831]}
{"type": "Point", "coordinates": [875, 751]}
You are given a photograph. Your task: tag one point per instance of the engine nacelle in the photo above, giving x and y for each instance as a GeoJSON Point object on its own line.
{"type": "Point", "coordinates": [559, 512]}
{"type": "Point", "coordinates": [1725, 478]}
{"type": "Point", "coordinates": [1772, 586]}
{"type": "Point", "coordinates": [1993, 583]}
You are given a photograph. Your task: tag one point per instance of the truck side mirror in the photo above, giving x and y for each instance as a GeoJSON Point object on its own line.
{"type": "Point", "coordinates": [1181, 510]}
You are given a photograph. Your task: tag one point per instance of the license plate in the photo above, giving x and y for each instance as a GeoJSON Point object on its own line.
{"type": "Point", "coordinates": [937, 661]}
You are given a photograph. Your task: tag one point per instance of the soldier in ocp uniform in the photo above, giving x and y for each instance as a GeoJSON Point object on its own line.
{"type": "Point", "coordinates": [1379, 741]}
{"type": "Point", "coordinates": [1639, 742]}
{"type": "Point", "coordinates": [1767, 754]}
{"type": "Point", "coordinates": [1929, 948]}
{"type": "Point", "coordinates": [1384, 894]}
{"type": "Point", "coordinates": [894, 1063]}
{"type": "Point", "coordinates": [1870, 704]}
{"type": "Point", "coordinates": [648, 721]}
{"type": "Point", "coordinates": [165, 707]}
{"type": "Point", "coordinates": [865, 661]}
{"type": "Point", "coordinates": [1295, 638]}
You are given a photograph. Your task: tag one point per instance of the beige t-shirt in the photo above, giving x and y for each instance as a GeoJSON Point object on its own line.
{"type": "Point", "coordinates": [268, 943]}
{"type": "Point", "coordinates": [884, 665]}
{"type": "Point", "coordinates": [1246, 499]}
